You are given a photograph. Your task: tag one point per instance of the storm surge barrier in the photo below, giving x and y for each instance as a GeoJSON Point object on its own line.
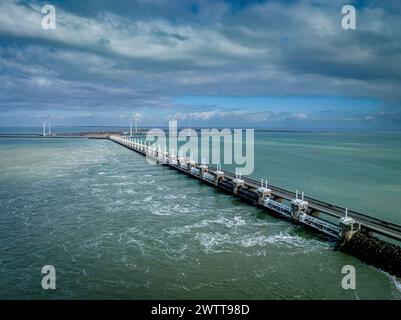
{"type": "Point", "coordinates": [331, 220]}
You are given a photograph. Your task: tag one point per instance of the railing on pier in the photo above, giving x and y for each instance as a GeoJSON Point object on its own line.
{"type": "Point", "coordinates": [278, 207]}
{"type": "Point", "coordinates": [321, 225]}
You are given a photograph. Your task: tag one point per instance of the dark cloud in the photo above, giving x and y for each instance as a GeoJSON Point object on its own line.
{"type": "Point", "coordinates": [137, 55]}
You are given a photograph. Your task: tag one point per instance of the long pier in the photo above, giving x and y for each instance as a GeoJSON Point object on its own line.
{"type": "Point", "coordinates": [307, 211]}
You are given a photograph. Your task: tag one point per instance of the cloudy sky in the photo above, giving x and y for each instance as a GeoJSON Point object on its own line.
{"type": "Point", "coordinates": [221, 63]}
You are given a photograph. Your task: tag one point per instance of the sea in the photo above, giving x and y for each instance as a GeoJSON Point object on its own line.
{"type": "Point", "coordinates": [116, 227]}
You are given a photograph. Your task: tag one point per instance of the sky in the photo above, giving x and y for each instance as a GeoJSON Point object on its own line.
{"type": "Point", "coordinates": [270, 64]}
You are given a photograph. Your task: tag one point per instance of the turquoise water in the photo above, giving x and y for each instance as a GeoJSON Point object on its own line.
{"type": "Point", "coordinates": [359, 170]}
{"type": "Point", "coordinates": [115, 227]}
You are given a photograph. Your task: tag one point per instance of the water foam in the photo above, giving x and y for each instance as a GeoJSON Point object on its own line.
{"type": "Point", "coordinates": [396, 282]}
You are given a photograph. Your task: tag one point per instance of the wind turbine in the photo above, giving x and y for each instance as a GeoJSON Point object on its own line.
{"type": "Point", "coordinates": [130, 127]}
{"type": "Point", "coordinates": [136, 123]}
{"type": "Point", "coordinates": [44, 127]}
{"type": "Point", "coordinates": [49, 127]}
{"type": "Point", "coordinates": [189, 126]}
{"type": "Point", "coordinates": [131, 124]}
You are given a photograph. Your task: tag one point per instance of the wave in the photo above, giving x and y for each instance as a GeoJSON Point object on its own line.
{"type": "Point", "coordinates": [175, 196]}
{"type": "Point", "coordinates": [148, 199]}
{"type": "Point", "coordinates": [213, 241]}
{"type": "Point", "coordinates": [396, 282]}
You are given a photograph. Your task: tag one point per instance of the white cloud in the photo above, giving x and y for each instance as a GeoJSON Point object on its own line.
{"type": "Point", "coordinates": [107, 33]}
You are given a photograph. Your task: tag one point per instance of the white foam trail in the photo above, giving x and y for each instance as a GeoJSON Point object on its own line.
{"type": "Point", "coordinates": [174, 196]}
{"type": "Point", "coordinates": [161, 212]}
{"type": "Point", "coordinates": [160, 188]}
{"type": "Point", "coordinates": [122, 183]}
{"type": "Point", "coordinates": [397, 284]}
{"type": "Point", "coordinates": [148, 199]}
{"type": "Point", "coordinates": [395, 281]}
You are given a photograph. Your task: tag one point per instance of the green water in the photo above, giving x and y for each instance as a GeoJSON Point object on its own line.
{"type": "Point", "coordinates": [361, 171]}
{"type": "Point", "coordinates": [115, 227]}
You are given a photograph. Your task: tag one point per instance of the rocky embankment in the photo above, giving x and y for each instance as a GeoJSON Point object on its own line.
{"type": "Point", "coordinates": [371, 250]}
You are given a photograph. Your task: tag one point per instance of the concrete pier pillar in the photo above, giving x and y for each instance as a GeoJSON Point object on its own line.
{"type": "Point", "coordinates": [219, 176]}
{"type": "Point", "coordinates": [181, 160]}
{"type": "Point", "coordinates": [237, 183]}
{"type": "Point", "coordinates": [173, 159]}
{"type": "Point", "coordinates": [298, 207]}
{"type": "Point", "coordinates": [263, 193]}
{"type": "Point", "coordinates": [190, 164]}
{"type": "Point", "coordinates": [203, 169]}
{"type": "Point", "coordinates": [349, 227]}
